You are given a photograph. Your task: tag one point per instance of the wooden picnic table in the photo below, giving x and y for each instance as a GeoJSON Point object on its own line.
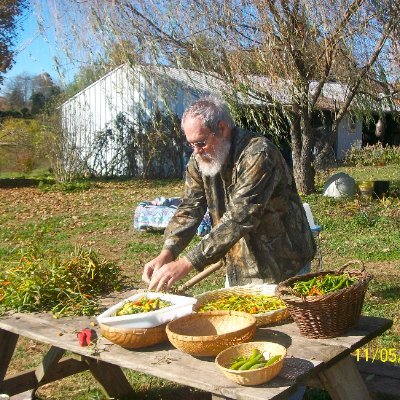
{"type": "Point", "coordinates": [323, 363]}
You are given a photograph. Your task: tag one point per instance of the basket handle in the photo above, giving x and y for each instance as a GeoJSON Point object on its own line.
{"type": "Point", "coordinates": [352, 262]}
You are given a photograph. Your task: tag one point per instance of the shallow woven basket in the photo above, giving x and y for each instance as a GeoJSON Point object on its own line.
{"type": "Point", "coordinates": [207, 334]}
{"type": "Point", "coordinates": [134, 338]}
{"type": "Point", "coordinates": [256, 376]}
{"type": "Point", "coordinates": [268, 318]}
{"type": "Point", "coordinates": [331, 314]}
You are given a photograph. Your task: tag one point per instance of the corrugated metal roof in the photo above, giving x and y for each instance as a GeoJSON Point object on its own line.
{"type": "Point", "coordinates": [196, 80]}
{"type": "Point", "coordinates": [332, 95]}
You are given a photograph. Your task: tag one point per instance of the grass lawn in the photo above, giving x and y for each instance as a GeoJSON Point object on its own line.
{"type": "Point", "coordinates": [100, 215]}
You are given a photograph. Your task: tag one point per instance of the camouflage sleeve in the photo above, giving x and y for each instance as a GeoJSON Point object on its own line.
{"type": "Point", "coordinates": [257, 176]}
{"type": "Point", "coordinates": [184, 223]}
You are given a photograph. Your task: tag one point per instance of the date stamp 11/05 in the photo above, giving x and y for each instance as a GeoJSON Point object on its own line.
{"type": "Point", "coordinates": [383, 354]}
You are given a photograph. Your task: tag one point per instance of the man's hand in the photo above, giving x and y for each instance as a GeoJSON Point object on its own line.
{"type": "Point", "coordinates": [152, 266]}
{"type": "Point", "coordinates": [164, 277]}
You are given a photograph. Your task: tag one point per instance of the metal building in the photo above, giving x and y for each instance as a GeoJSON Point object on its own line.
{"type": "Point", "coordinates": [107, 123]}
{"type": "Point", "coordinates": [129, 96]}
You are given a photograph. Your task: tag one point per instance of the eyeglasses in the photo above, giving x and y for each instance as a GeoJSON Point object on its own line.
{"type": "Point", "coordinates": [199, 145]}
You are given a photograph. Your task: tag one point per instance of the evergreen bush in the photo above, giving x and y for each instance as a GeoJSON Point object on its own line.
{"type": "Point", "coordinates": [372, 155]}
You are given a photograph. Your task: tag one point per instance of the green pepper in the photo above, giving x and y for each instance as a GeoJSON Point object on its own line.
{"type": "Point", "coordinates": [273, 359]}
{"type": "Point", "coordinates": [237, 364]}
{"type": "Point", "coordinates": [251, 362]}
{"type": "Point", "coordinates": [239, 361]}
{"type": "Point", "coordinates": [338, 285]}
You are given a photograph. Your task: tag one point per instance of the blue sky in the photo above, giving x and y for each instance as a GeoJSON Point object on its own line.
{"type": "Point", "coordinates": [35, 52]}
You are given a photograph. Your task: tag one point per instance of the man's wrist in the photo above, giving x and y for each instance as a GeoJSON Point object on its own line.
{"type": "Point", "coordinates": [198, 261]}
{"type": "Point", "coordinates": [187, 262]}
{"type": "Point", "coordinates": [169, 250]}
{"type": "Point", "coordinates": [168, 255]}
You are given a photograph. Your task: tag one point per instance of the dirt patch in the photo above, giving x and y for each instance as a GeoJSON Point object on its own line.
{"type": "Point", "coordinates": [18, 183]}
{"type": "Point", "coordinates": [384, 270]}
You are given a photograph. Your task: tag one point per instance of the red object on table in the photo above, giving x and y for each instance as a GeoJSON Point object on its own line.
{"type": "Point", "coordinates": [86, 336]}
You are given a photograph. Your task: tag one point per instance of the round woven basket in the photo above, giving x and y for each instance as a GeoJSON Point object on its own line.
{"type": "Point", "coordinates": [271, 317]}
{"type": "Point", "coordinates": [328, 315]}
{"type": "Point", "coordinates": [134, 338]}
{"type": "Point", "coordinates": [256, 376]}
{"type": "Point", "coordinates": [206, 334]}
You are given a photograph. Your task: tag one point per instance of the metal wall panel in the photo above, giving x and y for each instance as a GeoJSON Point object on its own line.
{"type": "Point", "coordinates": [125, 90]}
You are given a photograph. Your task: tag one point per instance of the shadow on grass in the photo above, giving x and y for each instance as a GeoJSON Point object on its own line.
{"type": "Point", "coordinates": [387, 293]}
{"type": "Point", "coordinates": [316, 394]}
{"type": "Point", "coordinates": [183, 393]}
{"type": "Point", "coordinates": [319, 394]}
{"type": "Point", "coordinates": [10, 183]}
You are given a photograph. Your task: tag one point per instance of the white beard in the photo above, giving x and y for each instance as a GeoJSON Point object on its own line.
{"type": "Point", "coordinates": [211, 165]}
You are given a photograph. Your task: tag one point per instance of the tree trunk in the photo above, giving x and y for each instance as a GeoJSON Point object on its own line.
{"type": "Point", "coordinates": [326, 158]}
{"type": "Point", "coordinates": [302, 143]}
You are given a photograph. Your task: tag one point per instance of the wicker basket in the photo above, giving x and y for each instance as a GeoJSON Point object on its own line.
{"type": "Point", "coordinates": [134, 338]}
{"type": "Point", "coordinates": [206, 334]}
{"type": "Point", "coordinates": [268, 318]}
{"type": "Point", "coordinates": [251, 377]}
{"type": "Point", "coordinates": [328, 315]}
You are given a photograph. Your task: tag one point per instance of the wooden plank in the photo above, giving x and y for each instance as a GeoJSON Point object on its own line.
{"type": "Point", "coordinates": [27, 380]}
{"type": "Point", "coordinates": [366, 329]}
{"type": "Point", "coordinates": [299, 346]}
{"type": "Point", "coordinates": [154, 361]}
{"type": "Point", "coordinates": [314, 382]}
{"type": "Point", "coordinates": [344, 382]}
{"type": "Point", "coordinates": [47, 330]}
{"type": "Point", "coordinates": [305, 356]}
{"type": "Point", "coordinates": [379, 377]}
{"type": "Point", "coordinates": [28, 395]}
{"type": "Point", "coordinates": [8, 342]}
{"type": "Point", "coordinates": [52, 357]}
{"type": "Point", "coordinates": [110, 377]}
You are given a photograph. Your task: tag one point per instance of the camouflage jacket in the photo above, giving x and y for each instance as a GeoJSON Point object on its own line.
{"type": "Point", "coordinates": [259, 228]}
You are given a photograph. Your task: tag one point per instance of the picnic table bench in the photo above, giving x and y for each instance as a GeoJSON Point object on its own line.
{"type": "Point", "coordinates": [325, 363]}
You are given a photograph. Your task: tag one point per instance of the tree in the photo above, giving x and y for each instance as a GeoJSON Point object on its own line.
{"type": "Point", "coordinates": [18, 90]}
{"type": "Point", "coordinates": [38, 101]}
{"type": "Point", "coordinates": [30, 91]}
{"type": "Point", "coordinates": [10, 10]}
{"type": "Point", "coordinates": [279, 53]}
{"type": "Point", "coordinates": [43, 83]}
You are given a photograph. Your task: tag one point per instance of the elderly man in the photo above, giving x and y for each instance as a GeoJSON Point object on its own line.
{"type": "Point", "coordinates": [260, 229]}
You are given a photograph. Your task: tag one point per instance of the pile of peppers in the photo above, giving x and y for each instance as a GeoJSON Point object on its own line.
{"type": "Point", "coordinates": [142, 305]}
{"type": "Point", "coordinates": [252, 304]}
{"type": "Point", "coordinates": [320, 285]}
{"type": "Point", "coordinates": [254, 361]}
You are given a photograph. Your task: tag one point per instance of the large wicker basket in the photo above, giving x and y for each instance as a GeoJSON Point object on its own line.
{"type": "Point", "coordinates": [328, 315]}
{"type": "Point", "coordinates": [256, 376]}
{"type": "Point", "coordinates": [272, 317]}
{"type": "Point", "coordinates": [208, 333]}
{"type": "Point", "coordinates": [134, 338]}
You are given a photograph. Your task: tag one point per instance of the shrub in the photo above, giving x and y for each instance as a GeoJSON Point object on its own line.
{"type": "Point", "coordinates": [373, 155]}
{"type": "Point", "coordinates": [42, 281]}
{"type": "Point", "coordinates": [25, 145]}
